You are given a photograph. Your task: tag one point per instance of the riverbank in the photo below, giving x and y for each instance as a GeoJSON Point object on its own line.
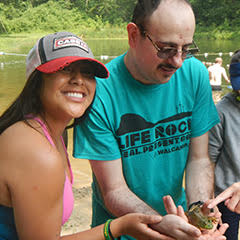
{"type": "Point", "coordinates": [22, 42]}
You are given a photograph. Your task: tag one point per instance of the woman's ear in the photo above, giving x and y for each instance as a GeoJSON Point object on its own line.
{"type": "Point", "coordinates": [133, 34]}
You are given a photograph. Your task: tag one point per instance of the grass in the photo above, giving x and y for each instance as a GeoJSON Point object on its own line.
{"type": "Point", "coordinates": [17, 43]}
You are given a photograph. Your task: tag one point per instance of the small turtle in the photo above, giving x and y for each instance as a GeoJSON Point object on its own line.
{"type": "Point", "coordinates": [198, 219]}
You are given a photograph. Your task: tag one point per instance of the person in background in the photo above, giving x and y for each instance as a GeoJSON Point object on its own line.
{"type": "Point", "coordinates": [216, 72]}
{"type": "Point", "coordinates": [149, 123]}
{"type": "Point", "coordinates": [224, 139]}
{"type": "Point", "coordinates": [35, 173]}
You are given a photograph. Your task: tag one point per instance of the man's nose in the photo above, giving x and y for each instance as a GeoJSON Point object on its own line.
{"type": "Point", "coordinates": [177, 60]}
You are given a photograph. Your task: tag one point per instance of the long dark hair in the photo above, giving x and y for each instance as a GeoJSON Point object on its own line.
{"type": "Point", "coordinates": [28, 102]}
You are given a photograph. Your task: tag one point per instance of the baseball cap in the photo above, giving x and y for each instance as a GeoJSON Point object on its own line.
{"type": "Point", "coordinates": [55, 51]}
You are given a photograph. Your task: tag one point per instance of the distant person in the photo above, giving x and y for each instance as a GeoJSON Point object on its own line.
{"type": "Point", "coordinates": [224, 150]}
{"type": "Point", "coordinates": [216, 72]}
{"type": "Point", "coordinates": [36, 179]}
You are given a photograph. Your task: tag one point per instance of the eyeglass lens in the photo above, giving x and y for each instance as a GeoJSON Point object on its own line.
{"type": "Point", "coordinates": [169, 52]}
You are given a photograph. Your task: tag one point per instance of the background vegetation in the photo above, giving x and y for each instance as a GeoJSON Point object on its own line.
{"type": "Point", "coordinates": [107, 18]}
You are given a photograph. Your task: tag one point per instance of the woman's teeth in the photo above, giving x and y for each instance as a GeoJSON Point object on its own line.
{"type": "Point", "coordinates": [78, 95]}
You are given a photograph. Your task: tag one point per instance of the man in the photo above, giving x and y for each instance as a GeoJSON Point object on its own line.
{"type": "Point", "coordinates": [149, 122]}
{"type": "Point", "coordinates": [216, 72]}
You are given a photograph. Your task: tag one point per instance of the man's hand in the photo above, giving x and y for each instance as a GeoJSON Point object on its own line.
{"type": "Point", "coordinates": [183, 230]}
{"type": "Point", "coordinates": [175, 223]}
{"type": "Point", "coordinates": [231, 196]}
{"type": "Point", "coordinates": [215, 233]}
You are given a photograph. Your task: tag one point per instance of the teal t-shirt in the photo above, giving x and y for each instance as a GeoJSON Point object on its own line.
{"type": "Point", "coordinates": [149, 127]}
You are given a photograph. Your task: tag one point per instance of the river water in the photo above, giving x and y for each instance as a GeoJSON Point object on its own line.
{"type": "Point", "coordinates": [12, 67]}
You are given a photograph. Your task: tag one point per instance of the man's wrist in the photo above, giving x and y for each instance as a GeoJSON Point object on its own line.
{"type": "Point", "coordinates": [195, 203]}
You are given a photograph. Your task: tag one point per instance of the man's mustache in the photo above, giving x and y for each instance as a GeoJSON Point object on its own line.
{"type": "Point", "coordinates": [169, 66]}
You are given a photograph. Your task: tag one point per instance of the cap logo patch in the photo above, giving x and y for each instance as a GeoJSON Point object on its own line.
{"type": "Point", "coordinates": [70, 41]}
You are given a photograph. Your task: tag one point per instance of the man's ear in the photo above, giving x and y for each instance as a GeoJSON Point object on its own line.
{"type": "Point", "coordinates": [133, 34]}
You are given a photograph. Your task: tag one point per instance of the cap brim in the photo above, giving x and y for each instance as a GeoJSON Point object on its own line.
{"type": "Point", "coordinates": [59, 63]}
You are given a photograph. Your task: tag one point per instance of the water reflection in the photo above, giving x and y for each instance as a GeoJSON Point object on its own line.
{"type": "Point", "coordinates": [12, 72]}
{"type": "Point", "coordinates": [12, 68]}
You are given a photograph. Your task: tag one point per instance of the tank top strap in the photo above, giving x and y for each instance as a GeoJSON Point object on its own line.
{"type": "Point", "coordinates": [45, 130]}
{"type": "Point", "coordinates": [49, 138]}
{"type": "Point", "coordinates": [69, 164]}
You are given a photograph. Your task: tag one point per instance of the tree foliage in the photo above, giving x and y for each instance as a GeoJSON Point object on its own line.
{"type": "Point", "coordinates": [28, 15]}
{"type": "Point", "coordinates": [218, 13]}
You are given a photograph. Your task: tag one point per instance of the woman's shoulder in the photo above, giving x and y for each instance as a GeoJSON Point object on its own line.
{"type": "Point", "coordinates": [22, 136]}
{"type": "Point", "coordinates": [24, 145]}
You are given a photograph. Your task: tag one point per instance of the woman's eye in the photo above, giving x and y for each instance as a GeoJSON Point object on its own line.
{"type": "Point", "coordinates": [88, 74]}
{"type": "Point", "coordinates": [67, 70]}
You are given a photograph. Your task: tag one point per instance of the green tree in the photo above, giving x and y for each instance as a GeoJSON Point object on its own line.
{"type": "Point", "coordinates": [216, 12]}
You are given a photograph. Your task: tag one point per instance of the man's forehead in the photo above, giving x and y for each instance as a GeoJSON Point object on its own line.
{"type": "Point", "coordinates": [174, 10]}
{"type": "Point", "coordinates": [167, 27]}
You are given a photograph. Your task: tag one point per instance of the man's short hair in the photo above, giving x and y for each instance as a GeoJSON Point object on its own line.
{"type": "Point", "coordinates": [218, 60]}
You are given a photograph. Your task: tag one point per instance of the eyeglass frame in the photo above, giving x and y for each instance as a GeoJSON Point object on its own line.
{"type": "Point", "coordinates": [189, 53]}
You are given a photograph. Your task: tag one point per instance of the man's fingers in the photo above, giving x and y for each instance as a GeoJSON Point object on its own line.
{"type": "Point", "coordinates": [169, 205]}
{"type": "Point", "coordinates": [232, 203]}
{"type": "Point", "coordinates": [191, 230]}
{"type": "Point", "coordinates": [237, 208]}
{"type": "Point", "coordinates": [151, 219]}
{"type": "Point", "coordinates": [164, 237]}
{"type": "Point", "coordinates": [181, 213]}
{"type": "Point", "coordinates": [220, 198]}
{"type": "Point", "coordinates": [223, 228]}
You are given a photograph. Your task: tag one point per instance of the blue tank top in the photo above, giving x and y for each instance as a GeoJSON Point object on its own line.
{"type": "Point", "coordinates": [7, 224]}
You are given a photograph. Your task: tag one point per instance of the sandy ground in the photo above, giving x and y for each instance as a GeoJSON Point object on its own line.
{"type": "Point", "coordinates": [81, 217]}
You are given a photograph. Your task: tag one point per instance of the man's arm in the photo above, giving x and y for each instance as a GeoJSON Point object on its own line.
{"type": "Point", "coordinates": [210, 74]}
{"type": "Point", "coordinates": [199, 171]}
{"type": "Point", "coordinates": [120, 200]}
{"type": "Point", "coordinates": [225, 75]}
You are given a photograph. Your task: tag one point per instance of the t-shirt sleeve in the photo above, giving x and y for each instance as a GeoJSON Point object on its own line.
{"type": "Point", "coordinates": [216, 139]}
{"type": "Point", "coordinates": [94, 138]}
{"type": "Point", "coordinates": [205, 114]}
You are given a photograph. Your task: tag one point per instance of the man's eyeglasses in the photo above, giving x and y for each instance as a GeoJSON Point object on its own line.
{"type": "Point", "coordinates": [168, 52]}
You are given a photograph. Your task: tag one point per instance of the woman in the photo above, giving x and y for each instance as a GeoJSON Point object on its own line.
{"type": "Point", "coordinates": [35, 173]}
